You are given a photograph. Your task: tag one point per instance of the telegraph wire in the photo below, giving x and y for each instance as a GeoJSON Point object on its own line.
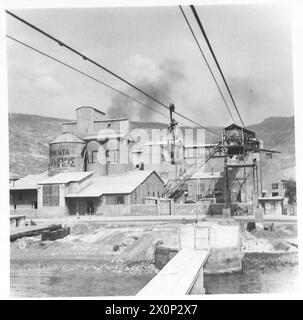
{"type": "Point", "coordinates": [216, 61]}
{"type": "Point", "coordinates": [95, 79]}
{"type": "Point", "coordinates": [62, 44]}
{"type": "Point", "coordinates": [104, 68]}
{"type": "Point", "coordinates": [85, 74]}
{"type": "Point", "coordinates": [209, 68]}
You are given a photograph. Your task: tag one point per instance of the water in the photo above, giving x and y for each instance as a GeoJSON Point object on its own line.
{"type": "Point", "coordinates": [261, 273]}
{"type": "Point", "coordinates": [26, 283]}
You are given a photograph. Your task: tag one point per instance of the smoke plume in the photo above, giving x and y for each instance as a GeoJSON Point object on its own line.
{"type": "Point", "coordinates": [156, 80]}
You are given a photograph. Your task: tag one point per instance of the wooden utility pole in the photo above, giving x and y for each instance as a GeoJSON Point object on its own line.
{"type": "Point", "coordinates": [171, 128]}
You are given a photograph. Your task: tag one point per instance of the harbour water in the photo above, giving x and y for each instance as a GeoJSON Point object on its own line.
{"type": "Point", "coordinates": [261, 273]}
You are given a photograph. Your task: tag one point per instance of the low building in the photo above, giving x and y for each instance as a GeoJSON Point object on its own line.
{"type": "Point", "coordinates": [272, 205]}
{"type": "Point", "coordinates": [17, 221]}
{"type": "Point", "coordinates": [81, 193]}
{"type": "Point", "coordinates": [52, 192]}
{"type": "Point", "coordinates": [24, 192]}
{"type": "Point", "coordinates": [129, 188]}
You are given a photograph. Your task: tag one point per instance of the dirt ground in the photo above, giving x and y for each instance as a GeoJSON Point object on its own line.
{"type": "Point", "coordinates": [276, 239]}
{"type": "Point", "coordinates": [95, 260]}
{"type": "Point", "coordinates": [122, 247]}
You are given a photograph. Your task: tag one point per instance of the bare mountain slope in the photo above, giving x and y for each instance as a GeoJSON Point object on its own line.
{"type": "Point", "coordinates": [29, 136]}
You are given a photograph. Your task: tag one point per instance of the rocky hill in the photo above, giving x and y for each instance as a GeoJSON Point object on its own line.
{"type": "Point", "coordinates": [29, 136]}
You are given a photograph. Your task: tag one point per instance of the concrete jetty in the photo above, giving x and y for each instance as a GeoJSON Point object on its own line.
{"type": "Point", "coordinates": [179, 276]}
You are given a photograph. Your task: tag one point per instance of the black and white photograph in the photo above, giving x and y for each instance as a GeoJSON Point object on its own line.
{"type": "Point", "coordinates": [151, 150]}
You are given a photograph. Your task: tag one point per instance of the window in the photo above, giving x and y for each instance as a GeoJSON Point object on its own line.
{"type": "Point", "coordinates": [20, 196]}
{"type": "Point", "coordinates": [120, 200]}
{"type": "Point", "coordinates": [275, 194]}
{"type": "Point", "coordinates": [112, 156]}
{"type": "Point", "coordinates": [94, 156]}
{"type": "Point", "coordinates": [268, 155]}
{"type": "Point", "coordinates": [275, 186]}
{"type": "Point", "coordinates": [50, 195]}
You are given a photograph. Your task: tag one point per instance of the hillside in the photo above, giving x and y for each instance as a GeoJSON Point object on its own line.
{"type": "Point", "coordinates": [29, 136]}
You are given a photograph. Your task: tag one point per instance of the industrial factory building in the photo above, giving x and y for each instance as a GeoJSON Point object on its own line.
{"type": "Point", "coordinates": [89, 167]}
{"type": "Point", "coordinates": [95, 162]}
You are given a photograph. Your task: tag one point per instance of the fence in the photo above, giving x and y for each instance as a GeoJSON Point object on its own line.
{"type": "Point", "coordinates": [161, 208]}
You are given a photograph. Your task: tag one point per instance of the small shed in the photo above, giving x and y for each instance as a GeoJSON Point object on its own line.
{"type": "Point", "coordinates": [272, 205]}
{"type": "Point", "coordinates": [23, 193]}
{"type": "Point", "coordinates": [17, 221]}
{"type": "Point", "coordinates": [128, 188]}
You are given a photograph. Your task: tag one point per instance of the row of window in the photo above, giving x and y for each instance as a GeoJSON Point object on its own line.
{"type": "Point", "coordinates": [153, 194]}
{"type": "Point", "coordinates": [112, 156]}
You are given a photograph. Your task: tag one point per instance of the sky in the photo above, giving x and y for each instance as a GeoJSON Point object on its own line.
{"type": "Point", "coordinates": [153, 48]}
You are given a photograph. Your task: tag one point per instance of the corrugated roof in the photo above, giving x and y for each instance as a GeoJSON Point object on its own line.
{"type": "Point", "coordinates": [66, 177]}
{"type": "Point", "coordinates": [114, 184]}
{"type": "Point", "coordinates": [235, 126]}
{"type": "Point", "coordinates": [29, 182]}
{"type": "Point", "coordinates": [207, 175]}
{"type": "Point", "coordinates": [67, 137]}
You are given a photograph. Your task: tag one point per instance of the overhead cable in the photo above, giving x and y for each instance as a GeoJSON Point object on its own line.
{"type": "Point", "coordinates": [216, 61]}
{"type": "Point", "coordinates": [209, 68]}
{"type": "Point", "coordinates": [61, 43]}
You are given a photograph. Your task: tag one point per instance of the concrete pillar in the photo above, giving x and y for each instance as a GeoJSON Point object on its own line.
{"type": "Point", "coordinates": [40, 197]}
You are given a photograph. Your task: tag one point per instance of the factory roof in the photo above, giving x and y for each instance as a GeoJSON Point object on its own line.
{"type": "Point", "coordinates": [207, 175]}
{"type": "Point", "coordinates": [66, 177]}
{"type": "Point", "coordinates": [28, 182]}
{"type": "Point", "coordinates": [67, 137]}
{"type": "Point", "coordinates": [114, 184]}
{"type": "Point", "coordinates": [235, 126]}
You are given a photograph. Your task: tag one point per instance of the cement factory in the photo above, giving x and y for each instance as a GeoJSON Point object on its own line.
{"type": "Point", "coordinates": [152, 209]}
{"type": "Point", "coordinates": [97, 168]}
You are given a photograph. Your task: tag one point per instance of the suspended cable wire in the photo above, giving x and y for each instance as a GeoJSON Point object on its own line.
{"type": "Point", "coordinates": [209, 68]}
{"type": "Point", "coordinates": [93, 78]}
{"type": "Point", "coordinates": [85, 57]}
{"type": "Point", "coordinates": [85, 74]}
{"type": "Point", "coordinates": [61, 43]}
{"type": "Point", "coordinates": [216, 61]}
